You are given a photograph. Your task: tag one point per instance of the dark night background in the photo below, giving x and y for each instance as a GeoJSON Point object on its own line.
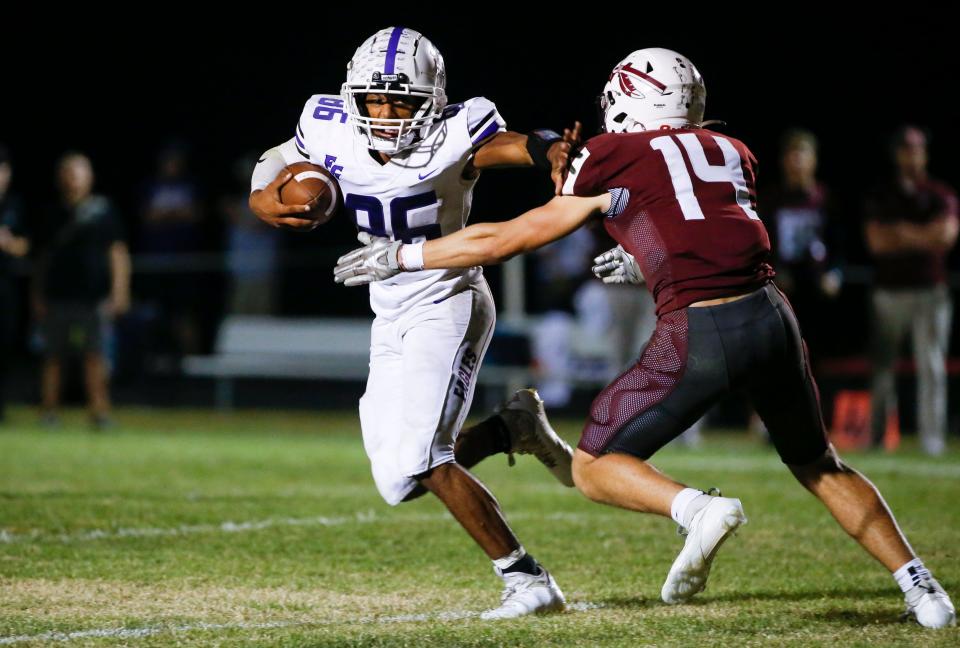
{"type": "Point", "coordinates": [119, 93]}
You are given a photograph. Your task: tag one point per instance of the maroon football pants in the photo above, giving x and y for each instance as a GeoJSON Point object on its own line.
{"type": "Point", "coordinates": [696, 356]}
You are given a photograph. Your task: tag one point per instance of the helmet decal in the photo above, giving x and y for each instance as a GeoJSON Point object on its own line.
{"type": "Point", "coordinates": [391, 60]}
{"type": "Point", "coordinates": [624, 72]}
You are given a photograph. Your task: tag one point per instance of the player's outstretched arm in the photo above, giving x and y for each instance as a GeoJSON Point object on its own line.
{"type": "Point", "coordinates": [265, 184]}
{"type": "Point", "coordinates": [490, 243]}
{"type": "Point", "coordinates": [481, 244]}
{"type": "Point", "coordinates": [541, 148]}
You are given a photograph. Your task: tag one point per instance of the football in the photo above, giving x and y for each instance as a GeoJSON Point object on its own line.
{"type": "Point", "coordinates": [315, 186]}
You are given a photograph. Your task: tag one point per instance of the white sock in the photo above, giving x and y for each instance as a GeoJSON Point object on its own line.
{"type": "Point", "coordinates": [686, 504]}
{"type": "Point", "coordinates": [510, 559]}
{"type": "Point", "coordinates": [910, 575]}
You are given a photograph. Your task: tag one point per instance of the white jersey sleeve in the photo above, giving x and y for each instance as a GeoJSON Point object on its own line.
{"type": "Point", "coordinates": [322, 134]}
{"type": "Point", "coordinates": [271, 163]}
{"type": "Point", "coordinates": [482, 119]}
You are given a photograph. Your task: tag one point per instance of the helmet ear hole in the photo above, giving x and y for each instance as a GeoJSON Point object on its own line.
{"type": "Point", "coordinates": [619, 118]}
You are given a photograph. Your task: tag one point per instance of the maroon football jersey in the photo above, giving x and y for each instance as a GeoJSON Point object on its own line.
{"type": "Point", "coordinates": [684, 204]}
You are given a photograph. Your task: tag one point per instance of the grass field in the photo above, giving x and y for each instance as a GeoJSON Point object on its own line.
{"type": "Point", "coordinates": [198, 529]}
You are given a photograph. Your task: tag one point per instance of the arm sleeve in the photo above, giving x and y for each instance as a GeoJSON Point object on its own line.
{"type": "Point", "coordinates": [272, 162]}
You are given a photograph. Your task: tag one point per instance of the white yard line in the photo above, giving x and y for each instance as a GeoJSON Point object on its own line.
{"type": "Point", "coordinates": [229, 526]}
{"type": "Point", "coordinates": [870, 465]}
{"type": "Point", "coordinates": [139, 633]}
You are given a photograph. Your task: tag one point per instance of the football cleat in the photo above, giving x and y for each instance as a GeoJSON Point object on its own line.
{"type": "Point", "coordinates": [526, 594]}
{"type": "Point", "coordinates": [530, 433]}
{"type": "Point", "coordinates": [708, 529]}
{"type": "Point", "coordinates": [929, 604]}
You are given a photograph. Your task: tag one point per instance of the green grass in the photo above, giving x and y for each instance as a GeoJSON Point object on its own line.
{"type": "Point", "coordinates": [261, 528]}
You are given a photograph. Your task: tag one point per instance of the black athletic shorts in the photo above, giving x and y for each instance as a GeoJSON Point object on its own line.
{"type": "Point", "coordinates": [74, 327]}
{"type": "Point", "coordinates": [697, 355]}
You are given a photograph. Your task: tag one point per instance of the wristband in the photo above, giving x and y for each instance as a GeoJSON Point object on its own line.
{"type": "Point", "coordinates": [410, 257]}
{"type": "Point", "coordinates": [538, 143]}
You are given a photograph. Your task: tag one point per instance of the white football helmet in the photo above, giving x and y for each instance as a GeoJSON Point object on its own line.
{"type": "Point", "coordinates": [652, 88]}
{"type": "Point", "coordinates": [396, 61]}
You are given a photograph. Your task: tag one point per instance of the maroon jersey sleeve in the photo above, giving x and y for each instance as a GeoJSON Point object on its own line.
{"type": "Point", "coordinates": [589, 168]}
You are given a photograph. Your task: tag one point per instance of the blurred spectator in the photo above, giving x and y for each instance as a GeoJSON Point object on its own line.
{"type": "Point", "coordinates": [82, 281]}
{"type": "Point", "coordinates": [633, 319]}
{"type": "Point", "coordinates": [252, 249]}
{"type": "Point", "coordinates": [805, 237]}
{"type": "Point", "coordinates": [563, 267]}
{"type": "Point", "coordinates": [911, 225]}
{"type": "Point", "coordinates": [13, 244]}
{"type": "Point", "coordinates": [172, 224]}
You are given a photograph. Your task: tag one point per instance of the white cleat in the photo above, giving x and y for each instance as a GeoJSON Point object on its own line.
{"type": "Point", "coordinates": [530, 433]}
{"type": "Point", "coordinates": [527, 594]}
{"type": "Point", "coordinates": [930, 605]}
{"type": "Point", "coordinates": [712, 524]}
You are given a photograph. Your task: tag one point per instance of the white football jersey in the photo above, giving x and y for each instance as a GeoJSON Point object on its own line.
{"type": "Point", "coordinates": [419, 194]}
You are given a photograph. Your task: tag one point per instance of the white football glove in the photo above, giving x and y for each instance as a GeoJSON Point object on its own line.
{"type": "Point", "coordinates": [617, 266]}
{"type": "Point", "coordinates": [375, 261]}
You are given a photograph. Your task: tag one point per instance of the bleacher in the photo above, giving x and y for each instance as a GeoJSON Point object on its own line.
{"type": "Point", "coordinates": [258, 347]}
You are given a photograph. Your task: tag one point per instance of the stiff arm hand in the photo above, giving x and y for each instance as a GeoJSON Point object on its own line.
{"type": "Point", "coordinates": [378, 259]}
{"type": "Point", "coordinates": [559, 156]}
{"type": "Point", "coordinates": [617, 266]}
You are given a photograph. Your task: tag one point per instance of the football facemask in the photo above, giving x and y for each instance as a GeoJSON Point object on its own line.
{"type": "Point", "coordinates": [404, 64]}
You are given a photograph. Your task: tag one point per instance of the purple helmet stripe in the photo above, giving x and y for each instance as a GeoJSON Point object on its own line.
{"type": "Point", "coordinates": [490, 130]}
{"type": "Point", "coordinates": [392, 50]}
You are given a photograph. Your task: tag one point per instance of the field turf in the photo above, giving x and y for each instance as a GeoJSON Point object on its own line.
{"type": "Point", "coordinates": [192, 528]}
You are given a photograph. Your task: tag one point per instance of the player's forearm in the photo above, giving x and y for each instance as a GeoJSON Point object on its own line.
{"type": "Point", "coordinates": [507, 149]}
{"type": "Point", "coordinates": [490, 243]}
{"type": "Point", "coordinates": [480, 244]}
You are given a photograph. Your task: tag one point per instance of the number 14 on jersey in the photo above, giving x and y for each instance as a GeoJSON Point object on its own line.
{"type": "Point", "coordinates": [730, 171]}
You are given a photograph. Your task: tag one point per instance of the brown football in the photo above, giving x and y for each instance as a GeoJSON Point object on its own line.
{"type": "Point", "coordinates": [315, 186]}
